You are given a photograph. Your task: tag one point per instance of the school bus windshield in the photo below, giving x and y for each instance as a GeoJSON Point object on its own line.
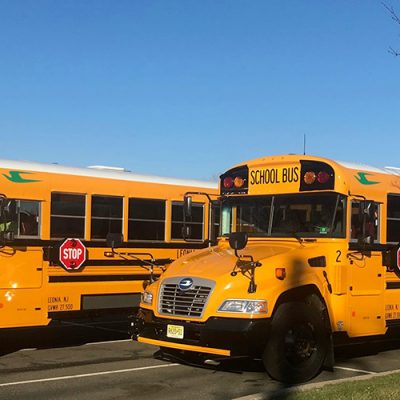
{"type": "Point", "coordinates": [306, 215]}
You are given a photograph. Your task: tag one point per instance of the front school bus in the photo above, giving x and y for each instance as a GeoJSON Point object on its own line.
{"type": "Point", "coordinates": [307, 254]}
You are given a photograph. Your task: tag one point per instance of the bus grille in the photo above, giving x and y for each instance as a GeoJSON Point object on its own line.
{"type": "Point", "coordinates": [188, 303]}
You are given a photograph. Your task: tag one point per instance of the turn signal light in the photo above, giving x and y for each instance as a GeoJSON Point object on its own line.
{"type": "Point", "coordinates": [238, 182]}
{"type": "Point", "coordinates": [316, 175]}
{"type": "Point", "coordinates": [235, 181]}
{"type": "Point", "coordinates": [280, 273]}
{"type": "Point", "coordinates": [309, 177]}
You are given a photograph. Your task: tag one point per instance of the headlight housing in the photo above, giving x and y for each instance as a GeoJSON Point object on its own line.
{"type": "Point", "coordinates": [147, 298]}
{"type": "Point", "coordinates": [244, 306]}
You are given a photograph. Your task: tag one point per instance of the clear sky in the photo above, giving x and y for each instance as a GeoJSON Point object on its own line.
{"type": "Point", "coordinates": [188, 88]}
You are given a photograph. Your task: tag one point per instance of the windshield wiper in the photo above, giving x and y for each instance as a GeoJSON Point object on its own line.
{"type": "Point", "coordinates": [297, 236]}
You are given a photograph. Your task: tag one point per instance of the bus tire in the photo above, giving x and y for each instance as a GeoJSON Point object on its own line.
{"type": "Point", "coordinates": [298, 343]}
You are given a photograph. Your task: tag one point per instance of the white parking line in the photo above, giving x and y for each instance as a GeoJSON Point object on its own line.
{"type": "Point", "coordinates": [355, 370]}
{"type": "Point", "coordinates": [60, 378]}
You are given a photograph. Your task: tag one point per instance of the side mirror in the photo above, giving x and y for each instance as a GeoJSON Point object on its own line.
{"type": "Point", "coordinates": [114, 240]}
{"type": "Point", "coordinates": [238, 240]}
{"type": "Point", "coordinates": [10, 207]}
{"type": "Point", "coordinates": [187, 206]}
{"type": "Point", "coordinates": [369, 210]}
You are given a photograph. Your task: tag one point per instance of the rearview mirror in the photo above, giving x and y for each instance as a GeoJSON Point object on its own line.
{"type": "Point", "coordinates": [238, 240]}
{"type": "Point", "coordinates": [369, 210]}
{"type": "Point", "coordinates": [187, 206]}
{"type": "Point", "coordinates": [10, 207]}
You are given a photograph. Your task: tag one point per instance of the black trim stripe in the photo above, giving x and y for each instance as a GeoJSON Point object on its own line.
{"type": "Point", "coordinates": [128, 263]}
{"type": "Point", "coordinates": [99, 278]}
{"type": "Point", "coordinates": [393, 285]}
{"type": "Point", "coordinates": [392, 322]}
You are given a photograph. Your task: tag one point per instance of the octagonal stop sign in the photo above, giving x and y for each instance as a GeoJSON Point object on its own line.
{"type": "Point", "coordinates": [72, 254]}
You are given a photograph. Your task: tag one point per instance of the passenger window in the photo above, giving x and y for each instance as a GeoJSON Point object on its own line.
{"type": "Point", "coordinates": [196, 221]}
{"type": "Point", "coordinates": [146, 219]}
{"type": "Point", "coordinates": [22, 217]}
{"type": "Point", "coordinates": [106, 216]}
{"type": "Point", "coordinates": [67, 215]}
{"type": "Point", "coordinates": [393, 219]}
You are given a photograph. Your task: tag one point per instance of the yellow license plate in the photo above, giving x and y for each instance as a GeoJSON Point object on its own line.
{"type": "Point", "coordinates": [175, 331]}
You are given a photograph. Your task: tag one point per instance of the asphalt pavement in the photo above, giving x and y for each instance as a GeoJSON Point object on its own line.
{"type": "Point", "coordinates": [99, 366]}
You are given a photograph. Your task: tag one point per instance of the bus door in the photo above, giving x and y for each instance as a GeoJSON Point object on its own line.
{"type": "Point", "coordinates": [366, 274]}
{"type": "Point", "coordinates": [21, 259]}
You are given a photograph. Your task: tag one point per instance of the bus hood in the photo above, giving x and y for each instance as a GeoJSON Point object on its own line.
{"type": "Point", "coordinates": [214, 262]}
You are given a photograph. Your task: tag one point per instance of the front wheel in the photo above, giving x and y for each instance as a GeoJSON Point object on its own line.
{"type": "Point", "coordinates": [298, 343]}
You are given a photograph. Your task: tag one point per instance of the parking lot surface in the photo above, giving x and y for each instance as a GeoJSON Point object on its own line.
{"type": "Point", "coordinates": [118, 368]}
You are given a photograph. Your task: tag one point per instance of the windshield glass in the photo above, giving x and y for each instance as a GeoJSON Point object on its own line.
{"type": "Point", "coordinates": [304, 215]}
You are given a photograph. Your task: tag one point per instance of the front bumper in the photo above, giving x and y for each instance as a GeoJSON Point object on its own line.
{"type": "Point", "coordinates": [223, 336]}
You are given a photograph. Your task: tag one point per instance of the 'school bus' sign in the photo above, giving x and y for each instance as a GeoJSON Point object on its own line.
{"type": "Point", "coordinates": [72, 254]}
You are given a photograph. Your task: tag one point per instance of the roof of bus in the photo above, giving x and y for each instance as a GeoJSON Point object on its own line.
{"type": "Point", "coordinates": [295, 157]}
{"type": "Point", "coordinates": [103, 172]}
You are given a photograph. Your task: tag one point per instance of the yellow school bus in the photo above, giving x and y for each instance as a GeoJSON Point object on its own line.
{"type": "Point", "coordinates": [55, 262]}
{"type": "Point", "coordinates": [308, 255]}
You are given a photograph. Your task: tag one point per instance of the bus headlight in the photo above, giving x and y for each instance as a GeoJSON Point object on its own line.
{"type": "Point", "coordinates": [244, 306]}
{"type": "Point", "coordinates": [147, 298]}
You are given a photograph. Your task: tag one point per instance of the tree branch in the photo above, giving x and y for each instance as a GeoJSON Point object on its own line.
{"type": "Point", "coordinates": [395, 17]}
{"type": "Point", "coordinates": [392, 13]}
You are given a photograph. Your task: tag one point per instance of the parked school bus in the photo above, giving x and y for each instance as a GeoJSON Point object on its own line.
{"type": "Point", "coordinates": [307, 255]}
{"type": "Point", "coordinates": [55, 264]}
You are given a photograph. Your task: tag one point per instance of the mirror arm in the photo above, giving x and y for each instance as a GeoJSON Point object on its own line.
{"type": "Point", "coordinates": [212, 202]}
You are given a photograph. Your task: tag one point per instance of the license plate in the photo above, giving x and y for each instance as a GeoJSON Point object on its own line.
{"type": "Point", "coordinates": [175, 331]}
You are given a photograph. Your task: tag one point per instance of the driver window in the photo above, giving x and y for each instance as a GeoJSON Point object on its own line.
{"type": "Point", "coordinates": [29, 216]}
{"type": "Point", "coordinates": [371, 227]}
{"type": "Point", "coordinates": [9, 216]}
{"type": "Point", "coordinates": [21, 217]}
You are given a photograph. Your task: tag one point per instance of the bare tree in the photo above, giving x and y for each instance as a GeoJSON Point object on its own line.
{"type": "Point", "coordinates": [395, 17]}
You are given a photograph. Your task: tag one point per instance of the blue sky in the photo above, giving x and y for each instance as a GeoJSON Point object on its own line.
{"type": "Point", "coordinates": [189, 88]}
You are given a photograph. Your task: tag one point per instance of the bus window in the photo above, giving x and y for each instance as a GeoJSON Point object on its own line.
{"type": "Point", "coordinates": [21, 217]}
{"type": "Point", "coordinates": [253, 215]}
{"type": "Point", "coordinates": [307, 215]}
{"type": "Point", "coordinates": [146, 219]}
{"type": "Point", "coordinates": [106, 216]}
{"type": "Point", "coordinates": [196, 221]}
{"type": "Point", "coordinates": [9, 217]}
{"type": "Point", "coordinates": [371, 228]}
{"type": "Point", "coordinates": [29, 218]}
{"type": "Point", "coordinates": [393, 219]}
{"type": "Point", "coordinates": [226, 218]}
{"type": "Point", "coordinates": [67, 215]}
